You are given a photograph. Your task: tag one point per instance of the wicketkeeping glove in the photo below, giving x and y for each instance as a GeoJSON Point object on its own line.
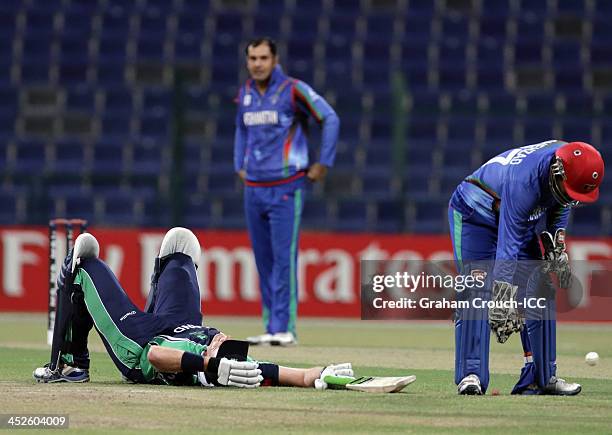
{"type": "Point", "coordinates": [555, 257]}
{"type": "Point", "coordinates": [504, 321]}
{"type": "Point", "coordinates": [344, 370]}
{"type": "Point", "coordinates": [232, 373]}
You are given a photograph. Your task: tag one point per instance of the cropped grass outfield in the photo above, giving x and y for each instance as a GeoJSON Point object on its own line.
{"type": "Point", "coordinates": [430, 405]}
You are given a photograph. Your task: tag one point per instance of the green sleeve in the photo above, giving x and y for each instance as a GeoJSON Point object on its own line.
{"type": "Point", "coordinates": [148, 371]}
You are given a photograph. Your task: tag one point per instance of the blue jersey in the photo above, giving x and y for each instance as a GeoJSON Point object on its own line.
{"type": "Point", "coordinates": [270, 141]}
{"type": "Point", "coordinates": [511, 192]}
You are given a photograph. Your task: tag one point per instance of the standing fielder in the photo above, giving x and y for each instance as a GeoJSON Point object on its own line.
{"type": "Point", "coordinates": [271, 156]}
{"type": "Point", "coordinates": [496, 215]}
{"type": "Point", "coordinates": [164, 345]}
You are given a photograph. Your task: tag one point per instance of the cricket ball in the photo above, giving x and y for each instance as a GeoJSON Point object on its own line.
{"type": "Point", "coordinates": [591, 358]}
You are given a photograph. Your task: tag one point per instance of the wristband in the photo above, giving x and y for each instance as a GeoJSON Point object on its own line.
{"type": "Point", "coordinates": [191, 363]}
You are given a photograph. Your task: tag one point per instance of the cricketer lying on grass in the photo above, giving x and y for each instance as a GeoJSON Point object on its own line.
{"type": "Point", "coordinates": [166, 343]}
{"type": "Point", "coordinates": [497, 216]}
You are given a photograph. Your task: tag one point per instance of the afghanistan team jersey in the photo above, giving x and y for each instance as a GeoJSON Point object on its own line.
{"type": "Point", "coordinates": [270, 141]}
{"type": "Point", "coordinates": [188, 338]}
{"type": "Point", "coordinates": [512, 193]}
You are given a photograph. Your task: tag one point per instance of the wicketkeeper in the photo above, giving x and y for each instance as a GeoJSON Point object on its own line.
{"type": "Point", "coordinates": [164, 344]}
{"type": "Point", "coordinates": [497, 217]}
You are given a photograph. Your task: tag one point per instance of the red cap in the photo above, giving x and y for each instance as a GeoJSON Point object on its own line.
{"type": "Point", "coordinates": [584, 170]}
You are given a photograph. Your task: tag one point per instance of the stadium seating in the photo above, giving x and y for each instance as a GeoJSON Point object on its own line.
{"type": "Point", "coordinates": [97, 96]}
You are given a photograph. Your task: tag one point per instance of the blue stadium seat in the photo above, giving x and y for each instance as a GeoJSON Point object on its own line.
{"type": "Point", "coordinates": [501, 104]}
{"type": "Point", "coordinates": [303, 25]}
{"type": "Point", "coordinates": [220, 182]}
{"type": "Point", "coordinates": [380, 26]}
{"type": "Point", "coordinates": [119, 208]}
{"type": "Point", "coordinates": [39, 23]}
{"type": "Point", "coordinates": [315, 214]}
{"type": "Point", "coordinates": [118, 100]}
{"type": "Point", "coordinates": [416, 180]}
{"type": "Point", "coordinates": [423, 128]}
{"type": "Point", "coordinates": [352, 215]}
{"type": "Point", "coordinates": [9, 210]}
{"type": "Point", "coordinates": [30, 157]}
{"type": "Point", "coordinates": [587, 220]}
{"type": "Point", "coordinates": [191, 22]}
{"type": "Point", "coordinates": [491, 78]}
{"type": "Point", "coordinates": [456, 26]}
{"type": "Point", "coordinates": [540, 104]}
{"type": "Point", "coordinates": [76, 205]}
{"type": "Point", "coordinates": [414, 52]}
{"type": "Point", "coordinates": [229, 24]}
{"type": "Point", "coordinates": [461, 129]}
{"type": "Point", "coordinates": [490, 53]}
{"type": "Point", "coordinates": [81, 98]}
{"type": "Point", "coordinates": [376, 184]}
{"type": "Point", "coordinates": [577, 130]}
{"type": "Point", "coordinates": [147, 158]}
{"type": "Point", "coordinates": [533, 8]}
{"type": "Point", "coordinates": [150, 48]}
{"type": "Point", "coordinates": [465, 104]}
{"type": "Point", "coordinates": [155, 123]}
{"type": "Point", "coordinates": [581, 105]}
{"type": "Point", "coordinates": [601, 32]}
{"type": "Point", "coordinates": [188, 47]}
{"type": "Point", "coordinates": [109, 156]}
{"type": "Point", "coordinates": [232, 213]}
{"type": "Point", "coordinates": [528, 52]}
{"type": "Point", "coordinates": [570, 78]}
{"type": "Point", "coordinates": [198, 212]}
{"type": "Point", "coordinates": [342, 25]}
{"type": "Point", "coordinates": [390, 216]}
{"type": "Point", "coordinates": [270, 24]}
{"type": "Point", "coordinates": [152, 23]}
{"type": "Point", "coordinates": [76, 25]}
{"type": "Point", "coordinates": [73, 70]}
{"type": "Point", "coordinates": [430, 216]}
{"type": "Point", "coordinates": [110, 73]}
{"type": "Point", "coordinates": [69, 157]}
{"type": "Point", "coordinates": [537, 129]}
{"type": "Point", "coordinates": [529, 28]}
{"type": "Point", "coordinates": [116, 124]}
{"type": "Point", "coordinates": [493, 27]}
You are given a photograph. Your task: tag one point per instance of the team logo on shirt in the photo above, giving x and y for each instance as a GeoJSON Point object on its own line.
{"type": "Point", "coordinates": [247, 100]}
{"type": "Point", "coordinates": [263, 117]}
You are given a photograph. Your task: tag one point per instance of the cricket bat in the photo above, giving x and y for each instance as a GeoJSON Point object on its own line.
{"type": "Point", "coordinates": [369, 384]}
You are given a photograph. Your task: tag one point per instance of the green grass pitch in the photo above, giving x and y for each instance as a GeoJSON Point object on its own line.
{"type": "Point", "coordinates": [425, 349]}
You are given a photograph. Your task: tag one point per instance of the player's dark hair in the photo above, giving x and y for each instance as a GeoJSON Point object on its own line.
{"type": "Point", "coordinates": [262, 40]}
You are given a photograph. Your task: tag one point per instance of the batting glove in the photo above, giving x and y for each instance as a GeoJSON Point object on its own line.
{"type": "Point", "coordinates": [232, 373]}
{"type": "Point", "coordinates": [344, 370]}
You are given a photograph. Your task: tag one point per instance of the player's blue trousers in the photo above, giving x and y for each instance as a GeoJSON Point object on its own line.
{"type": "Point", "coordinates": [125, 329]}
{"type": "Point", "coordinates": [273, 216]}
{"type": "Point", "coordinates": [474, 247]}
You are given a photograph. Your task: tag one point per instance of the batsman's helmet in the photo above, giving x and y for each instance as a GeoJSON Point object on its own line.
{"type": "Point", "coordinates": [576, 173]}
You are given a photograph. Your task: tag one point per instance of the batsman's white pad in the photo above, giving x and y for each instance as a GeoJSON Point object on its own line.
{"type": "Point", "coordinates": [85, 246]}
{"type": "Point", "coordinates": [181, 240]}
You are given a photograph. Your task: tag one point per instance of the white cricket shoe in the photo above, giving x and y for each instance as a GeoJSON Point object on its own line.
{"type": "Point", "coordinates": [283, 339]}
{"type": "Point", "coordinates": [470, 386]}
{"type": "Point", "coordinates": [263, 339]}
{"type": "Point", "coordinates": [560, 387]}
{"type": "Point", "coordinates": [85, 246]}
